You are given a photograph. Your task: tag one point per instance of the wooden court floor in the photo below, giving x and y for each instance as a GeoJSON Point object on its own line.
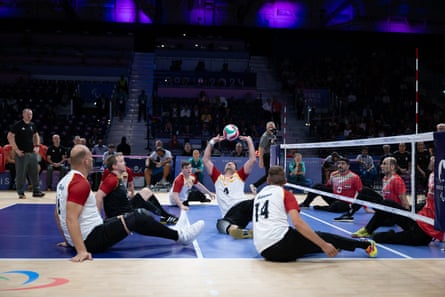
{"type": "Point", "coordinates": [216, 277]}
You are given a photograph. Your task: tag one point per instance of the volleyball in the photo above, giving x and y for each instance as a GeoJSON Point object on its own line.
{"type": "Point", "coordinates": [231, 132]}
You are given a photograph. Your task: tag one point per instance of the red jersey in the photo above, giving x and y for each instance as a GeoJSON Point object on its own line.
{"type": "Point", "coordinates": [129, 172]}
{"type": "Point", "coordinates": [393, 187]}
{"type": "Point", "coordinates": [428, 210]}
{"type": "Point", "coordinates": [346, 184]}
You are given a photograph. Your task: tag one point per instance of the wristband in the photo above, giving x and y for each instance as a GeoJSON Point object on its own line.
{"type": "Point", "coordinates": [212, 142]}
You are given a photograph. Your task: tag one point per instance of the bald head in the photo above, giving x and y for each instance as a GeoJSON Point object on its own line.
{"type": "Point", "coordinates": [78, 154]}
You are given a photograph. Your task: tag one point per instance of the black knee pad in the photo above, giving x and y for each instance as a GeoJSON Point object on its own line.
{"type": "Point", "coordinates": [222, 225]}
{"type": "Point", "coordinates": [136, 218]}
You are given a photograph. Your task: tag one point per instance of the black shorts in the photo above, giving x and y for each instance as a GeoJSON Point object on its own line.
{"type": "Point", "coordinates": [105, 235]}
{"type": "Point", "coordinates": [241, 213]}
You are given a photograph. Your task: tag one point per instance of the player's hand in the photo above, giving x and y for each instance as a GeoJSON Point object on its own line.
{"type": "Point", "coordinates": [80, 257]}
{"type": "Point", "coordinates": [330, 250]}
{"type": "Point", "coordinates": [218, 138]}
{"type": "Point", "coordinates": [63, 244]}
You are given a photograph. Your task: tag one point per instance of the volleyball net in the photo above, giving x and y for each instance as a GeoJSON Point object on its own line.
{"type": "Point", "coordinates": [316, 155]}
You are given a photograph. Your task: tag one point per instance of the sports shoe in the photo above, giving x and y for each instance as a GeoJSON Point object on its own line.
{"type": "Point", "coordinates": [38, 194]}
{"type": "Point", "coordinates": [344, 218]}
{"type": "Point", "coordinates": [188, 234]}
{"type": "Point", "coordinates": [238, 233]}
{"type": "Point", "coordinates": [170, 220]}
{"type": "Point", "coordinates": [22, 196]}
{"type": "Point", "coordinates": [362, 232]}
{"type": "Point", "coordinates": [252, 188]}
{"type": "Point", "coordinates": [371, 250]}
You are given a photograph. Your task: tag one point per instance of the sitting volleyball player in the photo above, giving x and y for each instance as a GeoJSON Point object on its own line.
{"type": "Point", "coordinates": [112, 194]}
{"type": "Point", "coordinates": [236, 208]}
{"type": "Point", "coordinates": [276, 241]}
{"type": "Point", "coordinates": [182, 190]}
{"type": "Point", "coordinates": [82, 226]}
{"type": "Point", "coordinates": [414, 232]}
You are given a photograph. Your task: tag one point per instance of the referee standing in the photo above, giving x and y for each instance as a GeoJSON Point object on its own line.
{"type": "Point", "coordinates": [25, 141]}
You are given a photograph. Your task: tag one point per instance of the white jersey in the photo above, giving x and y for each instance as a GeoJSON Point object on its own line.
{"type": "Point", "coordinates": [270, 220]}
{"type": "Point", "coordinates": [182, 186]}
{"type": "Point", "coordinates": [74, 187]}
{"type": "Point", "coordinates": [229, 189]}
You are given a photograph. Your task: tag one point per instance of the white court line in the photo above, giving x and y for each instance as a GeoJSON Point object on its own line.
{"type": "Point", "coordinates": [349, 233]}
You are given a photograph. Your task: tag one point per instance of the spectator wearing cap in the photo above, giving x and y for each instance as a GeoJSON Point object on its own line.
{"type": "Point", "coordinates": [158, 162]}
{"type": "Point", "coordinates": [342, 182]}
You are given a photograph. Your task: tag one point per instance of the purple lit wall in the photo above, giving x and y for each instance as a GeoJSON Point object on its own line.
{"type": "Point", "coordinates": [410, 16]}
{"type": "Point", "coordinates": [282, 14]}
{"type": "Point", "coordinates": [127, 12]}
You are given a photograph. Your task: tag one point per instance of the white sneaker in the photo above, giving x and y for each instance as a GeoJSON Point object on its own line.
{"type": "Point", "coordinates": [188, 234]}
{"type": "Point", "coordinates": [252, 188]}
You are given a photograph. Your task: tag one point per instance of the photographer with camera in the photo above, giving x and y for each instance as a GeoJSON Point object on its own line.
{"type": "Point", "coordinates": [268, 138]}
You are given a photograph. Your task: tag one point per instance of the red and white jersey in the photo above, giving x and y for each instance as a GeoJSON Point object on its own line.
{"type": "Point", "coordinates": [347, 184]}
{"type": "Point", "coordinates": [428, 210]}
{"type": "Point", "coordinates": [229, 189]}
{"type": "Point", "coordinates": [182, 185]}
{"type": "Point", "coordinates": [270, 220]}
{"type": "Point", "coordinates": [75, 188]}
{"type": "Point", "coordinates": [393, 186]}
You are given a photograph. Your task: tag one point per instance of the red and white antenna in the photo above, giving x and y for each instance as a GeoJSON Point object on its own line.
{"type": "Point", "coordinates": [417, 90]}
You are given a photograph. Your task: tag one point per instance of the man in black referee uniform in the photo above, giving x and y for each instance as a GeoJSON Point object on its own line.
{"type": "Point", "coordinates": [25, 140]}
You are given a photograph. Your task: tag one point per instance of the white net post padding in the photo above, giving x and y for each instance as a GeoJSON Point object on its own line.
{"type": "Point", "coordinates": [314, 153]}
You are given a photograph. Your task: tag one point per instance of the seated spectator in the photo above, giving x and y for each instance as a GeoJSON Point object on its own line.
{"type": "Point", "coordinates": [367, 168]}
{"type": "Point", "coordinates": [57, 160]}
{"type": "Point", "coordinates": [109, 152]}
{"type": "Point", "coordinates": [174, 144]}
{"type": "Point", "coordinates": [187, 150]}
{"type": "Point", "coordinates": [329, 165]}
{"type": "Point", "coordinates": [158, 163]}
{"type": "Point", "coordinates": [42, 158]}
{"type": "Point", "coordinates": [239, 150]}
{"type": "Point", "coordinates": [297, 171]}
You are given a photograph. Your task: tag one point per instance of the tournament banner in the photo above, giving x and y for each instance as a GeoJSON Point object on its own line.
{"type": "Point", "coordinates": [439, 180]}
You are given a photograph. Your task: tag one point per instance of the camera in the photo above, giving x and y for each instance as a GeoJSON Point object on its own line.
{"type": "Point", "coordinates": [274, 130]}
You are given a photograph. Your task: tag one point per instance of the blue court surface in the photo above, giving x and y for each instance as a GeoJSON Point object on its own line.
{"type": "Point", "coordinates": [29, 231]}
